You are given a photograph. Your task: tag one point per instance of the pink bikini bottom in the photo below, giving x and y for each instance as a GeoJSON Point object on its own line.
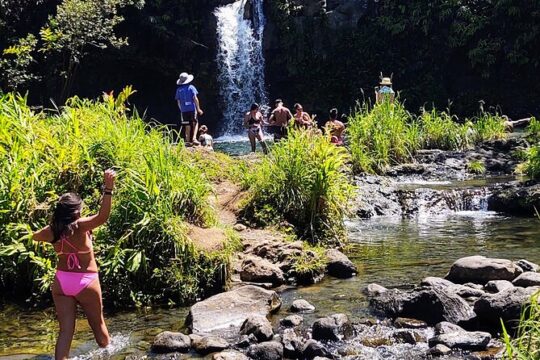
{"type": "Point", "coordinates": [72, 283]}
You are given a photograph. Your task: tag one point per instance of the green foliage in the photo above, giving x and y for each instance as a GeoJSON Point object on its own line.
{"type": "Point", "coordinates": [16, 61]}
{"type": "Point", "coordinates": [304, 182]}
{"type": "Point", "coordinates": [533, 130]}
{"type": "Point", "coordinates": [526, 344]}
{"type": "Point", "coordinates": [476, 167]}
{"type": "Point", "coordinates": [386, 134]}
{"type": "Point", "coordinates": [143, 250]}
{"type": "Point", "coordinates": [381, 136]}
{"type": "Point", "coordinates": [311, 263]}
{"type": "Point", "coordinates": [532, 164]}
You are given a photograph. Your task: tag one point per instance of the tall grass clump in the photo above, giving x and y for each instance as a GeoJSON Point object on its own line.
{"type": "Point", "coordinates": [382, 136]}
{"type": "Point", "coordinates": [441, 130]}
{"type": "Point", "coordinates": [143, 251]}
{"type": "Point", "coordinates": [303, 181]}
{"type": "Point", "coordinates": [525, 345]}
{"type": "Point", "coordinates": [488, 126]}
{"type": "Point", "coordinates": [531, 166]}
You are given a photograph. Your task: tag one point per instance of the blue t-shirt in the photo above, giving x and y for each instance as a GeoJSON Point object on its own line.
{"type": "Point", "coordinates": [186, 94]}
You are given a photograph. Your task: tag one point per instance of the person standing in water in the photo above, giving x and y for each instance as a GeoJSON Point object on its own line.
{"type": "Point", "coordinates": [77, 280]}
{"type": "Point", "coordinates": [253, 121]}
{"type": "Point", "coordinates": [279, 120]}
{"type": "Point", "coordinates": [335, 128]}
{"type": "Point", "coordinates": [301, 118]}
{"type": "Point", "coordinates": [189, 105]}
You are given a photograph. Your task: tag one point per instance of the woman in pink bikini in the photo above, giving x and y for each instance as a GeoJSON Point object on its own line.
{"type": "Point", "coordinates": [77, 280]}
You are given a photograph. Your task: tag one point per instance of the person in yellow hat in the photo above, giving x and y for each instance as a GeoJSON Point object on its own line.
{"type": "Point", "coordinates": [384, 92]}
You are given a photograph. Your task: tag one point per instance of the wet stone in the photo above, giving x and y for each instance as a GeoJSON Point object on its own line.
{"type": "Point", "coordinates": [271, 350]}
{"type": "Point", "coordinates": [527, 279]}
{"type": "Point", "coordinates": [527, 265]}
{"type": "Point", "coordinates": [374, 290]}
{"type": "Point", "coordinates": [480, 270]}
{"type": "Point", "coordinates": [313, 348]}
{"type": "Point", "coordinates": [230, 355]}
{"type": "Point", "coordinates": [259, 326]}
{"type": "Point", "coordinates": [292, 321]}
{"type": "Point", "coordinates": [407, 336]}
{"type": "Point", "coordinates": [496, 286]}
{"type": "Point", "coordinates": [466, 340]}
{"type": "Point", "coordinates": [333, 328]}
{"type": "Point", "coordinates": [409, 323]}
{"type": "Point", "coordinates": [167, 342]}
{"type": "Point", "coordinates": [439, 350]}
{"type": "Point", "coordinates": [302, 306]}
{"type": "Point", "coordinates": [210, 344]}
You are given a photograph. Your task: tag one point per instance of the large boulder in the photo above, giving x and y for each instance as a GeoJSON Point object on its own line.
{"type": "Point", "coordinates": [505, 305]}
{"type": "Point", "coordinates": [430, 304]}
{"type": "Point", "coordinates": [455, 337]}
{"type": "Point", "coordinates": [168, 341]}
{"type": "Point", "coordinates": [527, 279]}
{"type": "Point", "coordinates": [339, 265]}
{"type": "Point", "coordinates": [480, 270]}
{"type": "Point", "coordinates": [270, 350]}
{"type": "Point", "coordinates": [224, 314]}
{"type": "Point", "coordinates": [333, 328]}
{"type": "Point", "coordinates": [516, 199]}
{"type": "Point", "coordinates": [259, 326]}
{"type": "Point", "coordinates": [259, 270]}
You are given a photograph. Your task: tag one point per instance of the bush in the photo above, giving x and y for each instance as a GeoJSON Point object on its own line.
{"type": "Point", "coordinates": [442, 131]}
{"type": "Point", "coordinates": [381, 136]}
{"type": "Point", "coordinates": [476, 167]}
{"type": "Point", "coordinates": [143, 250]}
{"type": "Point", "coordinates": [303, 181]}
{"type": "Point", "coordinates": [488, 127]}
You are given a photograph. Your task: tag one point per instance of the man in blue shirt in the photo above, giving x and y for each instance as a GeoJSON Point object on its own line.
{"type": "Point", "coordinates": [188, 103]}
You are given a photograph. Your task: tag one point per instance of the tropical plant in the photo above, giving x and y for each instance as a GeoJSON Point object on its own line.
{"type": "Point", "coordinates": [144, 251]}
{"type": "Point", "coordinates": [304, 181]}
{"type": "Point", "coordinates": [476, 167]}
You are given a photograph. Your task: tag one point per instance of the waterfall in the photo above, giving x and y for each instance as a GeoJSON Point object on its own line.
{"type": "Point", "coordinates": [240, 61]}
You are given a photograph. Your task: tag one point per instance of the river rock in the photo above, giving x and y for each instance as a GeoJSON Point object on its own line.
{"type": "Point", "coordinates": [445, 327]}
{"type": "Point", "coordinates": [230, 355]}
{"type": "Point", "coordinates": [479, 269]}
{"type": "Point", "coordinates": [292, 321]}
{"type": "Point", "coordinates": [527, 265]}
{"type": "Point", "coordinates": [374, 290]}
{"type": "Point", "coordinates": [516, 199]}
{"type": "Point", "coordinates": [259, 326]}
{"type": "Point", "coordinates": [435, 281]}
{"type": "Point", "coordinates": [270, 350]}
{"type": "Point", "coordinates": [339, 265]}
{"type": "Point", "coordinates": [505, 305]}
{"type": "Point", "coordinates": [313, 349]}
{"type": "Point", "coordinates": [333, 328]}
{"type": "Point", "coordinates": [209, 344]}
{"type": "Point", "coordinates": [292, 344]}
{"type": "Point", "coordinates": [407, 336]}
{"type": "Point", "coordinates": [495, 286]}
{"type": "Point", "coordinates": [465, 340]}
{"type": "Point", "coordinates": [409, 323]}
{"type": "Point", "coordinates": [439, 350]}
{"type": "Point", "coordinates": [527, 279]}
{"type": "Point", "coordinates": [430, 304]}
{"type": "Point", "coordinates": [259, 270]}
{"type": "Point", "coordinates": [240, 227]}
{"type": "Point", "coordinates": [168, 341]}
{"type": "Point", "coordinates": [224, 314]}
{"type": "Point", "coordinates": [302, 306]}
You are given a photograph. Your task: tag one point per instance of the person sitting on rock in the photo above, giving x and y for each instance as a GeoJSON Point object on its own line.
{"type": "Point", "coordinates": [205, 139]}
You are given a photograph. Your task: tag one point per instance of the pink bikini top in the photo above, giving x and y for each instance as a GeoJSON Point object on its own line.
{"type": "Point", "coordinates": [73, 259]}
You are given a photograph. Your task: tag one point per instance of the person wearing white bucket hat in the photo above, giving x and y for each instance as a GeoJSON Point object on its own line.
{"type": "Point", "coordinates": [384, 92]}
{"type": "Point", "coordinates": [188, 103]}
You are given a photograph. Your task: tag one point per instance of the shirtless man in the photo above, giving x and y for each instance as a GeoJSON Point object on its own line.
{"type": "Point", "coordinates": [279, 120]}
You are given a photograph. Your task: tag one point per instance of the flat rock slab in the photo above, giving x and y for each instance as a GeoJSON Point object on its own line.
{"type": "Point", "coordinates": [465, 340]}
{"type": "Point", "coordinates": [224, 314]}
{"type": "Point", "coordinates": [480, 270]}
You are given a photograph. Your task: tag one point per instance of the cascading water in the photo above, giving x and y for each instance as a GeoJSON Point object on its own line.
{"type": "Point", "coordinates": [240, 61]}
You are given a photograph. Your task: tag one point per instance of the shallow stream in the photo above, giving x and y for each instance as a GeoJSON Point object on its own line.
{"type": "Point", "coordinates": [387, 250]}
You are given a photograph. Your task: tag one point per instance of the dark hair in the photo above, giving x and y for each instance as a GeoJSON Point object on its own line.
{"type": "Point", "coordinates": [203, 129]}
{"type": "Point", "coordinates": [278, 101]}
{"type": "Point", "coordinates": [66, 212]}
{"type": "Point", "coordinates": [334, 114]}
{"type": "Point", "coordinates": [254, 107]}
{"type": "Point", "coordinates": [296, 106]}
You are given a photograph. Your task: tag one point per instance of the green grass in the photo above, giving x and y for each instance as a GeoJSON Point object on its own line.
{"type": "Point", "coordinates": [386, 134]}
{"type": "Point", "coordinates": [531, 164]}
{"type": "Point", "coordinates": [525, 345]}
{"type": "Point", "coordinates": [143, 251]}
{"type": "Point", "coordinates": [304, 180]}
{"type": "Point", "coordinates": [476, 167]}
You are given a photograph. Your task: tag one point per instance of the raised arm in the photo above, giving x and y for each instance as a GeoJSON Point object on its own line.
{"type": "Point", "coordinates": [45, 235]}
{"type": "Point", "coordinates": [92, 222]}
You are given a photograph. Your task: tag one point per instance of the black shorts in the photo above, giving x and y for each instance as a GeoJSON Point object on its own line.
{"type": "Point", "coordinates": [279, 132]}
{"type": "Point", "coordinates": [189, 118]}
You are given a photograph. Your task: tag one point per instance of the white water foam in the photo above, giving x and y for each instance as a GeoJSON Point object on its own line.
{"type": "Point", "coordinates": [240, 61]}
{"type": "Point", "coordinates": [88, 351]}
